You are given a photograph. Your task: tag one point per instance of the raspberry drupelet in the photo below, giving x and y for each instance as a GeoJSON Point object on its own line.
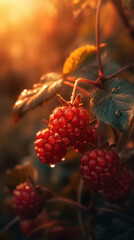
{"type": "Point", "coordinates": [28, 201]}
{"type": "Point", "coordinates": [99, 167]}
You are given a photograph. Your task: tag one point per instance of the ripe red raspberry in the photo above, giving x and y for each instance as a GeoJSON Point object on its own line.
{"type": "Point", "coordinates": [49, 147]}
{"type": "Point", "coordinates": [89, 135]}
{"type": "Point", "coordinates": [69, 122]}
{"type": "Point", "coordinates": [120, 189]}
{"type": "Point", "coordinates": [28, 201]}
{"type": "Point", "coordinates": [99, 167]}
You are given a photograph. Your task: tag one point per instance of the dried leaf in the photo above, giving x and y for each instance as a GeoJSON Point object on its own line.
{"type": "Point", "coordinates": [48, 86]}
{"type": "Point", "coordinates": [78, 56]}
{"type": "Point", "coordinates": [19, 174]}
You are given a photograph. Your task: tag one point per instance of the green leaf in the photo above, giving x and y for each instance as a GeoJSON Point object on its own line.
{"type": "Point", "coordinates": [115, 105]}
{"type": "Point", "coordinates": [48, 86]}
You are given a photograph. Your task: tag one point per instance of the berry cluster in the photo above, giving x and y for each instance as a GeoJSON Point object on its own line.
{"type": "Point", "coordinates": [101, 172]}
{"type": "Point", "coordinates": [68, 126]}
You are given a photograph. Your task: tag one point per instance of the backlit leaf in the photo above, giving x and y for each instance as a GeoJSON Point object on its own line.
{"type": "Point", "coordinates": [115, 105]}
{"type": "Point", "coordinates": [78, 56]}
{"type": "Point", "coordinates": [48, 86]}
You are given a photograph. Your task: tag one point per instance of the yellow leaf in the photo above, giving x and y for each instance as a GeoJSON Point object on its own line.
{"type": "Point", "coordinates": [78, 56]}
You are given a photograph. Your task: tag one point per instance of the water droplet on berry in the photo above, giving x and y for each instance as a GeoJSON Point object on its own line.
{"type": "Point", "coordinates": [63, 159]}
{"type": "Point", "coordinates": [52, 165]}
{"type": "Point", "coordinates": [118, 113]}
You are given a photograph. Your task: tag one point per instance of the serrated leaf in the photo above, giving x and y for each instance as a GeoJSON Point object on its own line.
{"type": "Point", "coordinates": [78, 56]}
{"type": "Point", "coordinates": [115, 105]}
{"type": "Point", "coordinates": [48, 86]}
{"type": "Point", "coordinates": [19, 174]}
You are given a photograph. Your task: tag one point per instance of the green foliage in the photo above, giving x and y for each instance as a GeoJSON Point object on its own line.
{"type": "Point", "coordinates": [115, 105]}
{"type": "Point", "coordinates": [48, 86]}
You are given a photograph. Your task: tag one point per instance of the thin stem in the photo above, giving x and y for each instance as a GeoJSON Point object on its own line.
{"type": "Point", "coordinates": [79, 212]}
{"type": "Point", "coordinates": [93, 121]}
{"type": "Point", "coordinates": [101, 72]}
{"type": "Point", "coordinates": [12, 222]}
{"type": "Point", "coordinates": [95, 83]}
{"type": "Point", "coordinates": [130, 65]}
{"type": "Point", "coordinates": [79, 88]}
{"type": "Point", "coordinates": [91, 199]}
{"type": "Point", "coordinates": [119, 214]}
{"type": "Point", "coordinates": [70, 202]}
{"type": "Point", "coordinates": [99, 132]}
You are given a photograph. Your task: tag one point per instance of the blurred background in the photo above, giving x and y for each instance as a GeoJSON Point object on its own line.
{"type": "Point", "coordinates": [35, 38]}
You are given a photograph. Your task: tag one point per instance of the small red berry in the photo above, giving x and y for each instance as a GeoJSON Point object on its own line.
{"type": "Point", "coordinates": [120, 189]}
{"type": "Point", "coordinates": [50, 148]}
{"type": "Point", "coordinates": [99, 167]}
{"type": "Point", "coordinates": [28, 201]}
{"type": "Point", "coordinates": [69, 122]}
{"type": "Point", "coordinates": [89, 136]}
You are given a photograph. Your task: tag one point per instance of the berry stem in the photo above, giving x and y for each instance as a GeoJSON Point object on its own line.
{"type": "Point", "coordinates": [130, 65]}
{"type": "Point", "coordinates": [93, 121]}
{"type": "Point", "coordinates": [12, 222]}
{"type": "Point", "coordinates": [70, 202]}
{"type": "Point", "coordinates": [79, 88]}
{"type": "Point", "coordinates": [95, 83]}
{"type": "Point", "coordinates": [99, 132]}
{"type": "Point", "coordinates": [122, 215]}
{"type": "Point", "coordinates": [79, 196]}
{"type": "Point", "coordinates": [101, 72]}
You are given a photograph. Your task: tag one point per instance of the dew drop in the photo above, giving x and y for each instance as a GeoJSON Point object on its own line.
{"type": "Point", "coordinates": [52, 165]}
{"type": "Point", "coordinates": [24, 92]}
{"type": "Point", "coordinates": [63, 159]}
{"type": "Point", "coordinates": [118, 113]}
{"type": "Point", "coordinates": [18, 102]}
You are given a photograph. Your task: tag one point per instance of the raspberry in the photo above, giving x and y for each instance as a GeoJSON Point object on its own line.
{"type": "Point", "coordinates": [99, 167]}
{"type": "Point", "coordinates": [49, 147]}
{"type": "Point", "coordinates": [120, 189]}
{"type": "Point", "coordinates": [89, 135]}
{"type": "Point", "coordinates": [69, 122]}
{"type": "Point", "coordinates": [28, 201]}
